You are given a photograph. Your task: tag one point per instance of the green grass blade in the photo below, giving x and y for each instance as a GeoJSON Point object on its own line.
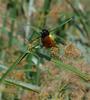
{"type": "Point", "coordinates": [58, 26]}
{"type": "Point", "coordinates": [77, 12]}
{"type": "Point", "coordinates": [13, 66]}
{"type": "Point", "coordinates": [11, 32]}
{"type": "Point", "coordinates": [71, 68]}
{"type": "Point", "coordinates": [46, 9]}
{"type": "Point", "coordinates": [28, 86]}
{"type": "Point", "coordinates": [4, 19]}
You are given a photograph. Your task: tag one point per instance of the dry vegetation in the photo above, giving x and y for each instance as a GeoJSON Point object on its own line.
{"type": "Point", "coordinates": [55, 83]}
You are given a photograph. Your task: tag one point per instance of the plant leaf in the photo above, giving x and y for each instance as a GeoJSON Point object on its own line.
{"type": "Point", "coordinates": [13, 66]}
{"type": "Point", "coordinates": [24, 85]}
{"type": "Point", "coordinates": [71, 68]}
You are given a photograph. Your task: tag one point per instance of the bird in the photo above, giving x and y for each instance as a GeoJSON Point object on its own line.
{"type": "Point", "coordinates": [46, 39]}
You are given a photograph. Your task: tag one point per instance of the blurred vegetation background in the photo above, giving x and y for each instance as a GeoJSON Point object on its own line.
{"type": "Point", "coordinates": [21, 24]}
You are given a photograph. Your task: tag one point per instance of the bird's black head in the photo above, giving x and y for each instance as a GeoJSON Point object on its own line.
{"type": "Point", "coordinates": [44, 33]}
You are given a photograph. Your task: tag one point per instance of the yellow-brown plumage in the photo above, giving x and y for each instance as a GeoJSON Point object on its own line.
{"type": "Point", "coordinates": [46, 40]}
